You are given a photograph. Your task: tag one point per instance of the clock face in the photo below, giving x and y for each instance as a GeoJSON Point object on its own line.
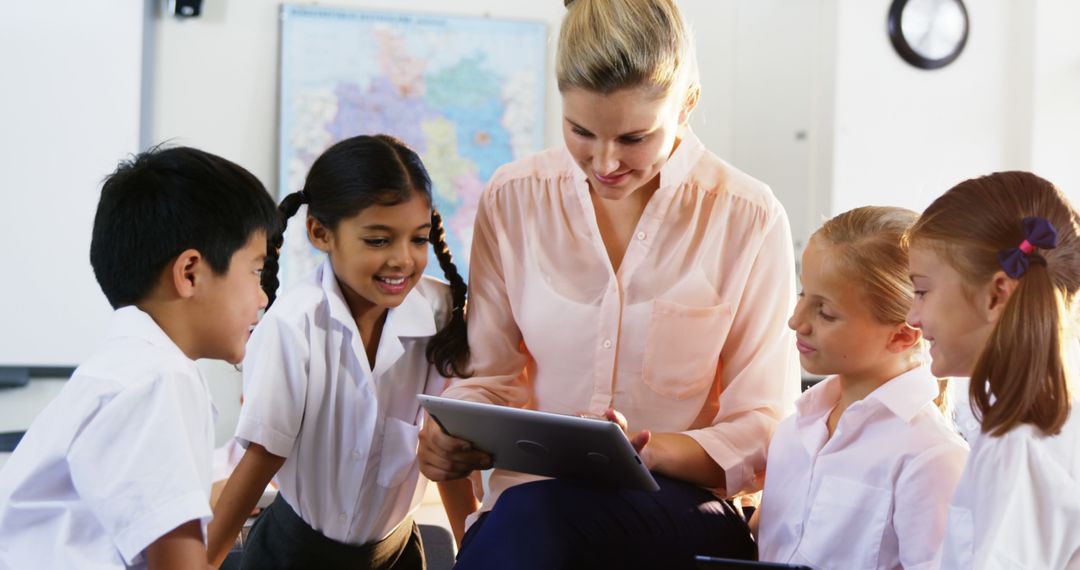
{"type": "Point", "coordinates": [928, 34]}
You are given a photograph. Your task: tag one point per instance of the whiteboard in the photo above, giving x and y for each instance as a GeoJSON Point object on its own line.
{"type": "Point", "coordinates": [70, 104]}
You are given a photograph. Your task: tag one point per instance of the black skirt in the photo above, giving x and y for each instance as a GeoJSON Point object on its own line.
{"type": "Point", "coordinates": [281, 539]}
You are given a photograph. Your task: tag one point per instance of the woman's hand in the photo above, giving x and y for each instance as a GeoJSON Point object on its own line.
{"type": "Point", "coordinates": [639, 440]}
{"type": "Point", "coordinates": [444, 457]}
{"type": "Point", "coordinates": [676, 455]}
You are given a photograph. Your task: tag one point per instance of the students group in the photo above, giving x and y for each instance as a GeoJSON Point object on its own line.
{"type": "Point", "coordinates": [629, 274]}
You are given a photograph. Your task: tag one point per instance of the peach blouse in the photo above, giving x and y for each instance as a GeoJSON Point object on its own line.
{"type": "Point", "coordinates": [688, 336]}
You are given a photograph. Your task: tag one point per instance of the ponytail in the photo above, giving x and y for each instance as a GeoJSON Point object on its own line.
{"type": "Point", "coordinates": [288, 208]}
{"type": "Point", "coordinates": [449, 349]}
{"type": "Point", "coordinates": [1020, 375]}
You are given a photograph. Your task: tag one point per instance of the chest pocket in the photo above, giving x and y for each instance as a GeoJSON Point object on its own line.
{"type": "Point", "coordinates": [682, 347]}
{"type": "Point", "coordinates": [846, 524]}
{"type": "Point", "coordinates": [398, 460]}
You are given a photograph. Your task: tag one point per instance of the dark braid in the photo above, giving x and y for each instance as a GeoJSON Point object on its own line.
{"type": "Point", "coordinates": [449, 349]}
{"type": "Point", "coordinates": [288, 208]}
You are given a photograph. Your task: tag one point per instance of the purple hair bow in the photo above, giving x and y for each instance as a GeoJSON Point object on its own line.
{"type": "Point", "coordinates": [1038, 233]}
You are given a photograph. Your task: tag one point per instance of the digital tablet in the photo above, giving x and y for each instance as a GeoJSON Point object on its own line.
{"type": "Point", "coordinates": [714, 563]}
{"type": "Point", "coordinates": [542, 443]}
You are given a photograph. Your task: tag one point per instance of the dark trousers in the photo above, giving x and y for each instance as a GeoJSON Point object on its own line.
{"type": "Point", "coordinates": [558, 523]}
{"type": "Point", "coordinates": [281, 539]}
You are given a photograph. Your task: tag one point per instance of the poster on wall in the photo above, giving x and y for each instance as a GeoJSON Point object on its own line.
{"type": "Point", "coordinates": [466, 93]}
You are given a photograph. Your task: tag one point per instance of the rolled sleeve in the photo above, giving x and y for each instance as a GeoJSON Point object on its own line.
{"type": "Point", "coordinates": [142, 463]}
{"type": "Point", "coordinates": [759, 367]}
{"type": "Point", "coordinates": [275, 387]}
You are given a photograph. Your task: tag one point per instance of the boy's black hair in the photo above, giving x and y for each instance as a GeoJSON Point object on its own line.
{"type": "Point", "coordinates": [164, 201]}
{"type": "Point", "coordinates": [365, 171]}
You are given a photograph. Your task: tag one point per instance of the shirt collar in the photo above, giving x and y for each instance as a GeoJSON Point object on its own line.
{"type": "Point", "coordinates": [682, 161]}
{"type": "Point", "coordinates": [903, 395]}
{"type": "Point", "coordinates": [908, 393]}
{"type": "Point", "coordinates": [413, 318]}
{"type": "Point", "coordinates": [133, 322]}
{"type": "Point", "coordinates": [818, 400]}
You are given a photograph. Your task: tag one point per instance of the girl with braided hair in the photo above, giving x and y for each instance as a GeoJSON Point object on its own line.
{"type": "Point", "coordinates": [334, 367]}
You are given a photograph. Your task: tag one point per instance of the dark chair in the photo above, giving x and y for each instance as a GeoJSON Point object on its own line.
{"type": "Point", "coordinates": [439, 546]}
{"type": "Point", "coordinates": [8, 440]}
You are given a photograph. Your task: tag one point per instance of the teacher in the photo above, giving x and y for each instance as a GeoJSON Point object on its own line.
{"type": "Point", "coordinates": [631, 274]}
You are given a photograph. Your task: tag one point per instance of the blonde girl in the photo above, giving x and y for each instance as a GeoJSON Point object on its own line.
{"type": "Point", "coordinates": [860, 475]}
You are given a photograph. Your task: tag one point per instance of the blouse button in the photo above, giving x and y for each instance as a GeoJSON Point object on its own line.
{"type": "Point", "coordinates": [607, 343]}
{"type": "Point", "coordinates": [641, 235]}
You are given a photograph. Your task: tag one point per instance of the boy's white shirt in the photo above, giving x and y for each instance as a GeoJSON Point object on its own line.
{"type": "Point", "coordinates": [1018, 502]}
{"type": "Point", "coordinates": [119, 458]}
{"type": "Point", "coordinates": [348, 433]}
{"type": "Point", "coordinates": [875, 494]}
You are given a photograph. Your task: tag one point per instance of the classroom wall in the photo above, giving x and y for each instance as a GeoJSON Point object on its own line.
{"type": "Point", "coordinates": [215, 77]}
{"type": "Point", "coordinates": [69, 109]}
{"type": "Point", "coordinates": [905, 135]}
{"type": "Point", "coordinates": [806, 95]}
{"type": "Point", "coordinates": [1054, 104]}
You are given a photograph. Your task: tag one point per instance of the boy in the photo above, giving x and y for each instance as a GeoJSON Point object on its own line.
{"type": "Point", "coordinates": [115, 472]}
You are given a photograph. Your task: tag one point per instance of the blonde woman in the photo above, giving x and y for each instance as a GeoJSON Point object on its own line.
{"type": "Point", "coordinates": [631, 274]}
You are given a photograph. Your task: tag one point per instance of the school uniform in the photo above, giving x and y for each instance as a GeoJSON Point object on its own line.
{"type": "Point", "coordinates": [348, 429]}
{"type": "Point", "coordinates": [688, 336]}
{"type": "Point", "coordinates": [872, 496]}
{"type": "Point", "coordinates": [119, 458]}
{"type": "Point", "coordinates": [1018, 502]}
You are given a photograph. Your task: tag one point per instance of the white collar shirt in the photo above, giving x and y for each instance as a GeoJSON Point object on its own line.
{"type": "Point", "coordinates": [872, 496]}
{"type": "Point", "coordinates": [348, 431]}
{"type": "Point", "coordinates": [1018, 502]}
{"type": "Point", "coordinates": [119, 458]}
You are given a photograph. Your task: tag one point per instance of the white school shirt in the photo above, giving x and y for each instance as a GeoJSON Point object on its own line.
{"type": "Point", "coordinates": [348, 433]}
{"type": "Point", "coordinates": [1018, 502]}
{"type": "Point", "coordinates": [874, 495]}
{"type": "Point", "coordinates": [119, 458]}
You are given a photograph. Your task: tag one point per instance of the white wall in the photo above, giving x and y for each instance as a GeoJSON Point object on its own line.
{"type": "Point", "coordinates": [905, 135]}
{"type": "Point", "coordinates": [1055, 94]}
{"type": "Point", "coordinates": [215, 77]}
{"type": "Point", "coordinates": [69, 110]}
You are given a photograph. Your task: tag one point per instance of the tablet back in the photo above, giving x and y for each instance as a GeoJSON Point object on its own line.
{"type": "Point", "coordinates": [542, 443]}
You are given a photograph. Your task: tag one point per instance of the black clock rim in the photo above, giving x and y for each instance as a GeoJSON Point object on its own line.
{"type": "Point", "coordinates": [907, 53]}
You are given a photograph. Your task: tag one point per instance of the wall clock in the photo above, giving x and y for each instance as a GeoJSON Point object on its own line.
{"type": "Point", "coordinates": [928, 34]}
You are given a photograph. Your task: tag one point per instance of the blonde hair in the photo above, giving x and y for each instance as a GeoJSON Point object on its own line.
{"type": "Point", "coordinates": [1020, 375]}
{"type": "Point", "coordinates": [870, 243]}
{"type": "Point", "coordinates": [608, 45]}
{"type": "Point", "coordinates": [873, 253]}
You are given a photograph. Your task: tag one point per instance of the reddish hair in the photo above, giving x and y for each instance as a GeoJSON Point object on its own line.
{"type": "Point", "coordinates": [1020, 375]}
